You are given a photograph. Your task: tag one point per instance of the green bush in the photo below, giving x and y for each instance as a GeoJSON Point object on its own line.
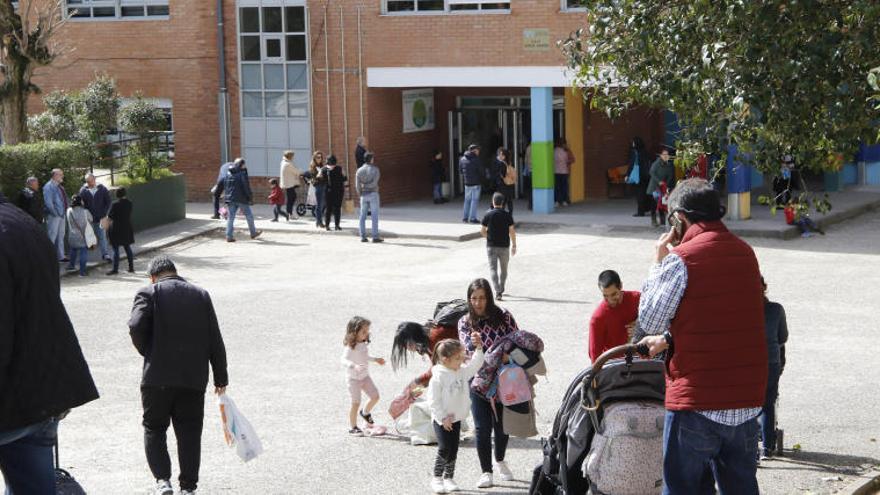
{"type": "Point", "coordinates": [19, 161]}
{"type": "Point", "coordinates": [140, 178]}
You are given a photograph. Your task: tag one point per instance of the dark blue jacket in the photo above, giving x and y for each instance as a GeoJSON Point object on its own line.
{"type": "Point", "coordinates": [471, 169]}
{"type": "Point", "coordinates": [238, 188]}
{"type": "Point", "coordinates": [99, 204]}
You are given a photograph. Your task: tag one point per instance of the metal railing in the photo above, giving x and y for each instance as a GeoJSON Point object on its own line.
{"type": "Point", "coordinates": [114, 153]}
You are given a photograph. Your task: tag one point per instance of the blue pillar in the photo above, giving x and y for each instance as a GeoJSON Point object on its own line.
{"type": "Point", "coordinates": [542, 150]}
{"type": "Point", "coordinates": [739, 184]}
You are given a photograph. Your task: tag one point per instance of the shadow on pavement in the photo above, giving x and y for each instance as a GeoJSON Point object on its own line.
{"type": "Point", "coordinates": [514, 297]}
{"type": "Point", "coordinates": [825, 462]}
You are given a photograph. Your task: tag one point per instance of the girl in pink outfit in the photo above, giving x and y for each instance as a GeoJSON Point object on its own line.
{"type": "Point", "coordinates": [356, 358]}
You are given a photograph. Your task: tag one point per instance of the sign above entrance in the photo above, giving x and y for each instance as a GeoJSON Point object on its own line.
{"type": "Point", "coordinates": [536, 40]}
{"type": "Point", "coordinates": [418, 110]}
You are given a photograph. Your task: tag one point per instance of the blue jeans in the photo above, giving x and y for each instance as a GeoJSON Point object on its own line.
{"type": "Point", "coordinates": [82, 254]}
{"type": "Point", "coordinates": [230, 219]}
{"type": "Point", "coordinates": [26, 458]}
{"type": "Point", "coordinates": [102, 239]}
{"type": "Point", "coordinates": [485, 423]}
{"type": "Point", "coordinates": [369, 202]}
{"type": "Point", "coordinates": [768, 412]}
{"type": "Point", "coordinates": [438, 191]}
{"type": "Point", "coordinates": [471, 202]}
{"type": "Point", "coordinates": [697, 449]}
{"type": "Point", "coordinates": [55, 226]}
{"type": "Point", "coordinates": [320, 199]}
{"type": "Point", "coordinates": [128, 253]}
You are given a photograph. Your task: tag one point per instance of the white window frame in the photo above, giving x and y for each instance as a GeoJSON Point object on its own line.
{"type": "Point", "coordinates": [282, 42]}
{"type": "Point", "coordinates": [563, 7]}
{"type": "Point", "coordinates": [447, 8]}
{"type": "Point", "coordinates": [117, 5]}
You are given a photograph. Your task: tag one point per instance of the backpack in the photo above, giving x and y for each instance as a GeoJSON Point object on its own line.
{"type": "Point", "coordinates": [513, 385]}
{"type": "Point", "coordinates": [626, 455]}
{"type": "Point", "coordinates": [447, 314]}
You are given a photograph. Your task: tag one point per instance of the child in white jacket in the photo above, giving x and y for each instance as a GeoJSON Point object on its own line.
{"type": "Point", "coordinates": [450, 403]}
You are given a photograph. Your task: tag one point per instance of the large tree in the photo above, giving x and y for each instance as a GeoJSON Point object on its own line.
{"type": "Point", "coordinates": [26, 43]}
{"type": "Point", "coordinates": [774, 77]}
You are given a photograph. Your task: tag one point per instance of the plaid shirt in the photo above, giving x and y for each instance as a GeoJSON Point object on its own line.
{"type": "Point", "coordinates": [661, 296]}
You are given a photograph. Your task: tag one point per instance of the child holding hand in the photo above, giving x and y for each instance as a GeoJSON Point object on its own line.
{"type": "Point", "coordinates": [356, 358]}
{"type": "Point", "coordinates": [450, 404]}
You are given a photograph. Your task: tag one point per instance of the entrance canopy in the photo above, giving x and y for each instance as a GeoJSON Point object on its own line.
{"type": "Point", "coordinates": [469, 77]}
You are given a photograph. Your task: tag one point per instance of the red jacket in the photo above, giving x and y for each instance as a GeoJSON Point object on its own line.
{"type": "Point", "coordinates": [437, 334]}
{"type": "Point", "coordinates": [608, 325]}
{"type": "Point", "coordinates": [720, 354]}
{"type": "Point", "coordinates": [276, 197]}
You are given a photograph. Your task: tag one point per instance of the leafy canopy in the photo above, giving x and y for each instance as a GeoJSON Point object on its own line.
{"type": "Point", "coordinates": [774, 77]}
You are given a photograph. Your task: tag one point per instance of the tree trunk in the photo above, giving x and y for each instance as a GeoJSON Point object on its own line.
{"type": "Point", "coordinates": [14, 110]}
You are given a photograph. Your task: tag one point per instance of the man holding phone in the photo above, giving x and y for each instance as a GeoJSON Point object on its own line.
{"type": "Point", "coordinates": [703, 303]}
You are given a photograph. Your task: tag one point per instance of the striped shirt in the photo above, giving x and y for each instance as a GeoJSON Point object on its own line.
{"type": "Point", "coordinates": [661, 296]}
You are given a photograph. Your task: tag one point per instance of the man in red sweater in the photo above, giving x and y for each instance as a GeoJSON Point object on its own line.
{"type": "Point", "coordinates": [614, 320]}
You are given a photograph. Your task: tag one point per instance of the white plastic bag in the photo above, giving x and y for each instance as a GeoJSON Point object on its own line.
{"type": "Point", "coordinates": [312, 196]}
{"type": "Point", "coordinates": [238, 430]}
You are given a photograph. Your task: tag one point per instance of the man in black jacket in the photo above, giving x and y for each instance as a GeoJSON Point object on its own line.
{"type": "Point", "coordinates": [30, 201]}
{"type": "Point", "coordinates": [239, 195]}
{"type": "Point", "coordinates": [471, 169]}
{"type": "Point", "coordinates": [43, 373]}
{"type": "Point", "coordinates": [174, 327]}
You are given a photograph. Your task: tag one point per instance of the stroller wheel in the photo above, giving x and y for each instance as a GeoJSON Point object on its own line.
{"type": "Point", "coordinates": [301, 209]}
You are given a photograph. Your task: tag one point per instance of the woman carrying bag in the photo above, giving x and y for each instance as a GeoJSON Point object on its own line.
{"type": "Point", "coordinates": [121, 232]}
{"type": "Point", "coordinates": [80, 236]}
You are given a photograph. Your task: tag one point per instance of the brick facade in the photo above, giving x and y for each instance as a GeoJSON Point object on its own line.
{"type": "Point", "coordinates": [176, 58]}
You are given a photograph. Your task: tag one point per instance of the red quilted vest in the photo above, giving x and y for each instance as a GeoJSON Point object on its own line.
{"type": "Point", "coordinates": [720, 358]}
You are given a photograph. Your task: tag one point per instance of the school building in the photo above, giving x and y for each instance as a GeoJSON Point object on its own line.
{"type": "Point", "coordinates": [253, 78]}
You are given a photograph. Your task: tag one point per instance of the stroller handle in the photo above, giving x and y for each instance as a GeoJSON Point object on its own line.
{"type": "Point", "coordinates": [618, 351]}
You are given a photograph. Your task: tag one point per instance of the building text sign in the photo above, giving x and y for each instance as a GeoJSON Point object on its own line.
{"type": "Point", "coordinates": [418, 110]}
{"type": "Point", "coordinates": [536, 40]}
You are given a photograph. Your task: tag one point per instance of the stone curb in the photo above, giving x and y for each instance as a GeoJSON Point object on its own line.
{"type": "Point", "coordinates": [866, 484]}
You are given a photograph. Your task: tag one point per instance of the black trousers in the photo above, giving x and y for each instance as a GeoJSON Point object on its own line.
{"type": "Point", "coordinates": [447, 449]}
{"type": "Point", "coordinates": [508, 192]}
{"type": "Point", "coordinates": [333, 207]}
{"type": "Point", "coordinates": [218, 193]}
{"type": "Point", "coordinates": [185, 409]}
{"type": "Point", "coordinates": [128, 253]}
{"type": "Point", "coordinates": [291, 199]}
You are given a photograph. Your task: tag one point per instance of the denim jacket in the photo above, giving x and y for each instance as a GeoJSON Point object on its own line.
{"type": "Point", "coordinates": [52, 198]}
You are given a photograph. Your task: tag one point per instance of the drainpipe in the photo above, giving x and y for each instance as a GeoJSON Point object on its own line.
{"type": "Point", "coordinates": [344, 98]}
{"type": "Point", "coordinates": [327, 84]}
{"type": "Point", "coordinates": [223, 95]}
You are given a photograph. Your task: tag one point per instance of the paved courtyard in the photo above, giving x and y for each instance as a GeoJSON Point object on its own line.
{"type": "Point", "coordinates": [284, 299]}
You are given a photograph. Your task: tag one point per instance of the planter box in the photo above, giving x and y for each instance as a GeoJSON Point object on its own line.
{"type": "Point", "coordinates": [158, 202]}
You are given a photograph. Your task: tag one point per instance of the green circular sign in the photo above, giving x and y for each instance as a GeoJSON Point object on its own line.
{"type": "Point", "coordinates": [419, 113]}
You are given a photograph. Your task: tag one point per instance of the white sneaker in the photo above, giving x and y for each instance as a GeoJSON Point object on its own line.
{"type": "Point", "coordinates": [163, 487]}
{"type": "Point", "coordinates": [503, 471]}
{"type": "Point", "coordinates": [450, 485]}
{"type": "Point", "coordinates": [437, 485]}
{"type": "Point", "coordinates": [485, 481]}
{"type": "Point", "coordinates": [187, 492]}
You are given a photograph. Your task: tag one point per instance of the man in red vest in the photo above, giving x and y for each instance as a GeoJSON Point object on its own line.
{"type": "Point", "coordinates": [703, 303]}
{"type": "Point", "coordinates": [613, 320]}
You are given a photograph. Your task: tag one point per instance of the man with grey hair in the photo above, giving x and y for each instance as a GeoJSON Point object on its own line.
{"type": "Point", "coordinates": [29, 199]}
{"type": "Point", "coordinates": [360, 150]}
{"type": "Point", "coordinates": [55, 208]}
{"type": "Point", "coordinates": [96, 199]}
{"type": "Point", "coordinates": [174, 327]}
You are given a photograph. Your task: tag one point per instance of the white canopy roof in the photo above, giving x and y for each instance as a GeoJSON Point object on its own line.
{"type": "Point", "coordinates": [468, 77]}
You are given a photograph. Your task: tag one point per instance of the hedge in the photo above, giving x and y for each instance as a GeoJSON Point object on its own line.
{"type": "Point", "coordinates": [20, 161]}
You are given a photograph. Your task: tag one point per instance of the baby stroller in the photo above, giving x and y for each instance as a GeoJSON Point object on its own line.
{"type": "Point", "coordinates": [607, 436]}
{"type": "Point", "coordinates": [309, 205]}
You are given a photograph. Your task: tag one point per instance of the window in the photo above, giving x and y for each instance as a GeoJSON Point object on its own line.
{"type": "Point", "coordinates": [116, 9]}
{"type": "Point", "coordinates": [444, 6]}
{"type": "Point", "coordinates": [573, 5]}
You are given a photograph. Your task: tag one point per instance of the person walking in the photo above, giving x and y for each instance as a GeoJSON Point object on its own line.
{"type": "Point", "coordinates": [776, 333]}
{"type": "Point", "coordinates": [437, 175]}
{"type": "Point", "coordinates": [218, 189]}
{"type": "Point", "coordinates": [239, 195]}
{"type": "Point", "coordinates": [121, 232]}
{"type": "Point", "coordinates": [276, 199]}
{"type": "Point", "coordinates": [79, 222]}
{"type": "Point", "coordinates": [356, 360]}
{"type": "Point", "coordinates": [614, 321]}
{"type": "Point", "coordinates": [290, 177]}
{"type": "Point", "coordinates": [500, 234]}
{"type": "Point", "coordinates": [470, 169]}
{"type": "Point", "coordinates": [174, 327]}
{"type": "Point", "coordinates": [319, 182]}
{"type": "Point", "coordinates": [638, 157]}
{"type": "Point", "coordinates": [96, 199]}
{"type": "Point", "coordinates": [335, 192]}
{"type": "Point", "coordinates": [55, 200]}
{"type": "Point", "coordinates": [527, 175]}
{"type": "Point", "coordinates": [29, 199]}
{"type": "Point", "coordinates": [662, 170]}
{"type": "Point", "coordinates": [43, 373]}
{"type": "Point", "coordinates": [505, 178]}
{"type": "Point", "coordinates": [563, 158]}
{"type": "Point", "coordinates": [493, 324]}
{"type": "Point", "coordinates": [360, 151]}
{"type": "Point", "coordinates": [703, 303]}
{"type": "Point", "coordinates": [367, 185]}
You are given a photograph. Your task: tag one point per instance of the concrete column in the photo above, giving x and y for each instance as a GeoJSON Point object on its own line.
{"type": "Point", "coordinates": [574, 136]}
{"type": "Point", "coordinates": [542, 150]}
{"type": "Point", "coordinates": [739, 185]}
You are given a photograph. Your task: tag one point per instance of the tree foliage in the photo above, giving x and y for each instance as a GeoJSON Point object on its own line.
{"type": "Point", "coordinates": [143, 119]}
{"type": "Point", "coordinates": [774, 77]}
{"type": "Point", "coordinates": [83, 116]}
